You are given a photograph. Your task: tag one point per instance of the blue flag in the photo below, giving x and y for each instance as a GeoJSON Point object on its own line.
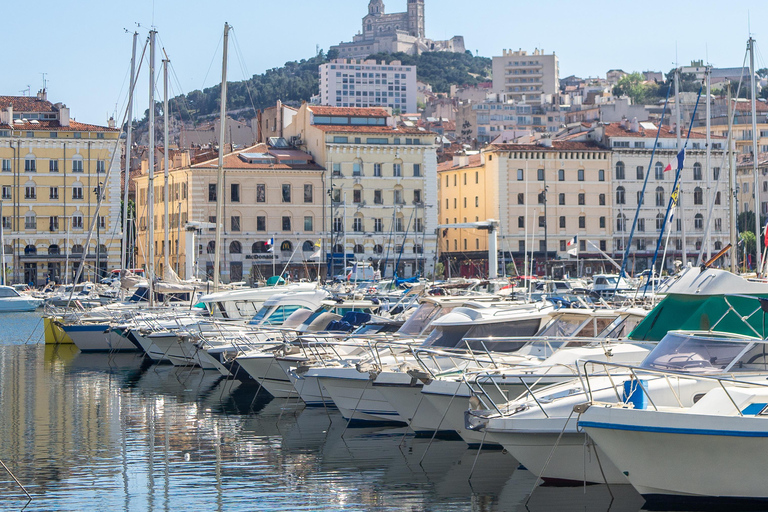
{"type": "Point", "coordinates": [681, 158]}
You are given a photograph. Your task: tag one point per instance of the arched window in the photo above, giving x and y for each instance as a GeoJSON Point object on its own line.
{"type": "Point", "coordinates": [697, 171]}
{"type": "Point", "coordinates": [621, 222]}
{"type": "Point", "coordinates": [359, 249]}
{"type": "Point", "coordinates": [308, 246]}
{"type": "Point", "coordinates": [77, 190]}
{"type": "Point", "coordinates": [659, 196]}
{"type": "Point", "coordinates": [379, 249]}
{"type": "Point", "coordinates": [620, 199]}
{"type": "Point", "coordinates": [286, 246]}
{"type": "Point", "coordinates": [659, 221]}
{"type": "Point", "coordinates": [77, 249]}
{"type": "Point", "coordinates": [698, 195]}
{"type": "Point", "coordinates": [338, 249]}
{"type": "Point", "coordinates": [102, 249]}
{"type": "Point", "coordinates": [53, 250]}
{"type": "Point", "coordinates": [259, 248]}
{"type": "Point", "coordinates": [77, 163]}
{"type": "Point", "coordinates": [619, 170]}
{"type": "Point", "coordinates": [30, 250]}
{"type": "Point", "coordinates": [235, 248]}
{"type": "Point", "coordinates": [211, 247]}
{"type": "Point", "coordinates": [698, 222]}
{"type": "Point", "coordinates": [659, 170]}
{"type": "Point", "coordinates": [717, 198]}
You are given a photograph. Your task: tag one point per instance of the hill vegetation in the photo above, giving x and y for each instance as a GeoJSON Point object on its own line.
{"type": "Point", "coordinates": [297, 81]}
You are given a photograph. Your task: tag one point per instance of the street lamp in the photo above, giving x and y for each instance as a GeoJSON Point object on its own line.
{"type": "Point", "coordinates": [97, 191]}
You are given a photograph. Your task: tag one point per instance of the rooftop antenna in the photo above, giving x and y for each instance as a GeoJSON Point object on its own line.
{"type": "Point", "coordinates": [317, 49]}
{"type": "Point", "coordinates": [26, 92]}
{"type": "Point", "coordinates": [45, 83]}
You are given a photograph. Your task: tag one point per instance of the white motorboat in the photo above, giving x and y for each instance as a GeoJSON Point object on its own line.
{"type": "Point", "coordinates": [11, 300]}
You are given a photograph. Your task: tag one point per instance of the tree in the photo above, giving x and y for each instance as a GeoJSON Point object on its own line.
{"type": "Point", "coordinates": [748, 239]}
{"type": "Point", "coordinates": [634, 86]}
{"type": "Point", "coordinates": [439, 269]}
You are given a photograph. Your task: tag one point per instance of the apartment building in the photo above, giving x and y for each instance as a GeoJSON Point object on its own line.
{"type": "Point", "coordinates": [382, 183]}
{"type": "Point", "coordinates": [526, 77]}
{"type": "Point", "coordinates": [52, 167]}
{"type": "Point", "coordinates": [367, 83]}
{"type": "Point", "coordinates": [271, 193]}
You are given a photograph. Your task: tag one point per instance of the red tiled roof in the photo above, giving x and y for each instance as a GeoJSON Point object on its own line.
{"type": "Point", "coordinates": [474, 161]}
{"type": "Point", "coordinates": [348, 111]}
{"type": "Point", "coordinates": [233, 161]}
{"type": "Point", "coordinates": [385, 130]}
{"type": "Point", "coordinates": [746, 106]}
{"type": "Point", "coordinates": [26, 104]}
{"type": "Point", "coordinates": [557, 145]}
{"type": "Point", "coordinates": [53, 126]}
{"type": "Point", "coordinates": [615, 130]}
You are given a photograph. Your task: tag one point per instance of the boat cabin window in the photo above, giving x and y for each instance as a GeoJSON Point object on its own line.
{"type": "Point", "coordinates": [594, 327]}
{"type": "Point", "coordinates": [274, 315]}
{"type": "Point", "coordinates": [452, 336]}
{"type": "Point", "coordinates": [422, 317]}
{"type": "Point", "coordinates": [561, 326]}
{"type": "Point", "coordinates": [681, 352]}
{"type": "Point", "coordinates": [620, 327]}
{"type": "Point", "coordinates": [8, 292]}
{"type": "Point", "coordinates": [373, 328]}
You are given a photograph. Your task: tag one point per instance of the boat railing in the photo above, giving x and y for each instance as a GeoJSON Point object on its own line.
{"type": "Point", "coordinates": [635, 372]}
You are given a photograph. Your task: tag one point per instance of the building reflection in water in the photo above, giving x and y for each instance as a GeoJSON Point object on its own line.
{"type": "Point", "coordinates": [111, 432]}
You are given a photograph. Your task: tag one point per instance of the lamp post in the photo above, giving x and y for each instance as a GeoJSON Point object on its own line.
{"type": "Point", "coordinates": [97, 191]}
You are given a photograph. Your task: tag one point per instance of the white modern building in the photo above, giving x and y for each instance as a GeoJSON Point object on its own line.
{"type": "Point", "coordinates": [526, 77]}
{"type": "Point", "coordinates": [366, 83]}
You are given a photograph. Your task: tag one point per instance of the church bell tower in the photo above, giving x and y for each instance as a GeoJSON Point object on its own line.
{"type": "Point", "coordinates": [416, 18]}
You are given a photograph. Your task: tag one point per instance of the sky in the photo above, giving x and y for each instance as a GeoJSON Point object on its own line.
{"type": "Point", "coordinates": [84, 46]}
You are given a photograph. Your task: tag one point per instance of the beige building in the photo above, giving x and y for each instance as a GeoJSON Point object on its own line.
{"type": "Point", "coordinates": [526, 77]}
{"type": "Point", "coordinates": [271, 193]}
{"type": "Point", "coordinates": [51, 169]}
{"type": "Point", "coordinates": [551, 192]}
{"type": "Point", "coordinates": [382, 181]}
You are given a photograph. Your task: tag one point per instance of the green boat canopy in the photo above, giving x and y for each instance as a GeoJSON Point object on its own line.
{"type": "Point", "coordinates": [719, 313]}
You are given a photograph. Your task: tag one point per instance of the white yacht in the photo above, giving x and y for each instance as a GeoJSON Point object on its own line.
{"type": "Point", "coordinates": [11, 300]}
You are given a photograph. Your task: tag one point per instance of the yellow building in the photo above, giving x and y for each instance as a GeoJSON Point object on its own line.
{"type": "Point", "coordinates": [271, 193]}
{"type": "Point", "coordinates": [51, 169]}
{"type": "Point", "coordinates": [467, 193]}
{"type": "Point", "coordinates": [382, 180]}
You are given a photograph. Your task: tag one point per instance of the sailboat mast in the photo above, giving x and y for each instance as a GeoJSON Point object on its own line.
{"type": "Point", "coordinates": [679, 131]}
{"type": "Point", "coordinates": [220, 174]}
{"type": "Point", "coordinates": [124, 254]}
{"type": "Point", "coordinates": [2, 247]}
{"type": "Point", "coordinates": [166, 194]}
{"type": "Point", "coordinates": [756, 187]}
{"type": "Point", "coordinates": [151, 173]}
{"type": "Point", "coordinates": [732, 187]}
{"type": "Point", "coordinates": [708, 240]}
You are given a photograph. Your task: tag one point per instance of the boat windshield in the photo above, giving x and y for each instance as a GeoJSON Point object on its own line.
{"type": "Point", "coordinates": [495, 337]}
{"type": "Point", "coordinates": [8, 292]}
{"type": "Point", "coordinates": [685, 352]}
{"type": "Point", "coordinates": [621, 326]}
{"type": "Point", "coordinates": [420, 320]}
{"type": "Point", "coordinates": [274, 315]}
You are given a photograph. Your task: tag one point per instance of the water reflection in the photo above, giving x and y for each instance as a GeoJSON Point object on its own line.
{"type": "Point", "coordinates": [114, 432]}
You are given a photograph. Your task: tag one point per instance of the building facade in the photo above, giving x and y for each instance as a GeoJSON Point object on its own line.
{"type": "Point", "coordinates": [270, 193]}
{"type": "Point", "coordinates": [366, 83]}
{"type": "Point", "coordinates": [52, 167]}
{"type": "Point", "coordinates": [524, 77]}
{"type": "Point", "coordinates": [395, 32]}
{"type": "Point", "coordinates": [382, 185]}
{"type": "Point", "coordinates": [632, 145]}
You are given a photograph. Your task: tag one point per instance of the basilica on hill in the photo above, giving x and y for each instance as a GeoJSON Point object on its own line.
{"type": "Point", "coordinates": [395, 32]}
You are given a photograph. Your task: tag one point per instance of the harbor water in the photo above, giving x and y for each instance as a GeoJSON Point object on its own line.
{"type": "Point", "coordinates": [114, 432]}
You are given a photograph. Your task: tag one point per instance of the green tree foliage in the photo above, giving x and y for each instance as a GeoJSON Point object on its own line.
{"type": "Point", "coordinates": [634, 86]}
{"type": "Point", "coordinates": [297, 81]}
{"type": "Point", "coordinates": [443, 69]}
{"type": "Point", "coordinates": [748, 239]}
